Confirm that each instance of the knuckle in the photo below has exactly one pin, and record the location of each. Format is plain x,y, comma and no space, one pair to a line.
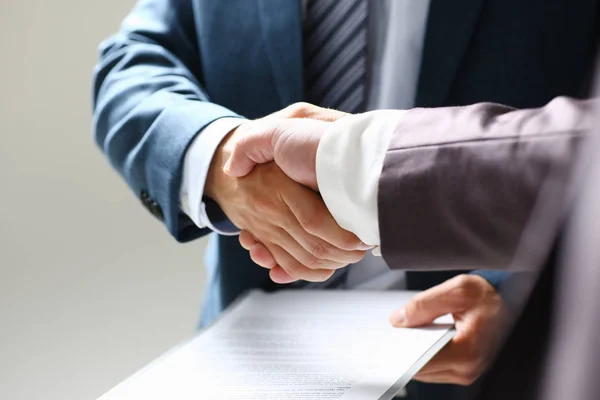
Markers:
415,306
320,251
299,109
461,280
298,270
313,262
311,221
466,288
291,269
293,274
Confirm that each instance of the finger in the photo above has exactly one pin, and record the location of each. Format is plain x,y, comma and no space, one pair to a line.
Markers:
278,275
254,145
448,366
287,242
313,216
447,376
262,256
258,252
453,296
307,110
450,375
295,269
247,240
319,248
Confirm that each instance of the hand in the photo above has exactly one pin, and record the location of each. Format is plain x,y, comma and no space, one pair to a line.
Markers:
289,137
478,313
299,239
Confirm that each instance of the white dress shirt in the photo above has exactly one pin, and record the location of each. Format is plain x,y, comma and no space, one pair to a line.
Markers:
195,170
349,188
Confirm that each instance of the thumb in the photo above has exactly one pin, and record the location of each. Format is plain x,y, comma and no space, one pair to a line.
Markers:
431,304
253,144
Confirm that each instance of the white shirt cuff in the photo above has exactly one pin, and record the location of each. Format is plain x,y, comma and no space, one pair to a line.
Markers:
195,170
349,162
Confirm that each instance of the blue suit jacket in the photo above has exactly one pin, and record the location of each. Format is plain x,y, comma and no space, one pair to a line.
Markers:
176,66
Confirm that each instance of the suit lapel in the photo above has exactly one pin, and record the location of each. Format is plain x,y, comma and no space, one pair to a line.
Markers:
281,26
450,26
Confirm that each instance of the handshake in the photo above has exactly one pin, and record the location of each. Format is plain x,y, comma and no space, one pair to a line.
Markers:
284,222
287,228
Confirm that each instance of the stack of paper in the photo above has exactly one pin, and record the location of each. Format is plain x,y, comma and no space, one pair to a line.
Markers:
294,345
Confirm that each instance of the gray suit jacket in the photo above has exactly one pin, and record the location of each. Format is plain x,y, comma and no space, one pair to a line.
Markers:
491,187
552,351
573,357
459,185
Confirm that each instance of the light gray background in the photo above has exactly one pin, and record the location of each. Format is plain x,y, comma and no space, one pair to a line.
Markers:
91,286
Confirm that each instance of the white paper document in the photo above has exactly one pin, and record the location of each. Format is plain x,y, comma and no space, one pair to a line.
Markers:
294,345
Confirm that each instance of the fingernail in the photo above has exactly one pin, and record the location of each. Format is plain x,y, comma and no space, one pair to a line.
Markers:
227,167
398,317
365,247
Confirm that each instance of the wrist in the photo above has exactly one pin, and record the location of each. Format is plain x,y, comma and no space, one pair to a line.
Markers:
216,179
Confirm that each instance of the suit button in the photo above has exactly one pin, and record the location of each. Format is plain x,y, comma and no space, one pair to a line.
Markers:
145,198
156,210
151,205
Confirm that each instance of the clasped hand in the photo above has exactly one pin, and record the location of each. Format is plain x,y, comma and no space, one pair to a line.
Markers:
285,225
287,228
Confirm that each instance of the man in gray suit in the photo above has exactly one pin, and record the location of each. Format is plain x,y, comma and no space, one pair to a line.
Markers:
506,177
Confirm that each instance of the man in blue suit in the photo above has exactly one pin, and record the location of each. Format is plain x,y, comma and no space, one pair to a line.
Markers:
181,76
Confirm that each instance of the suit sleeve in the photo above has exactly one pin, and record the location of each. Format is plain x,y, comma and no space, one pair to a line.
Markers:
150,103
460,185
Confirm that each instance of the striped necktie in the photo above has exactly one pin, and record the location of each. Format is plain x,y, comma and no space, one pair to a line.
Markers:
335,51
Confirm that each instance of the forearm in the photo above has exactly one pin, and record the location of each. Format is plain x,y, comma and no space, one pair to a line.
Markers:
149,105
459,185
